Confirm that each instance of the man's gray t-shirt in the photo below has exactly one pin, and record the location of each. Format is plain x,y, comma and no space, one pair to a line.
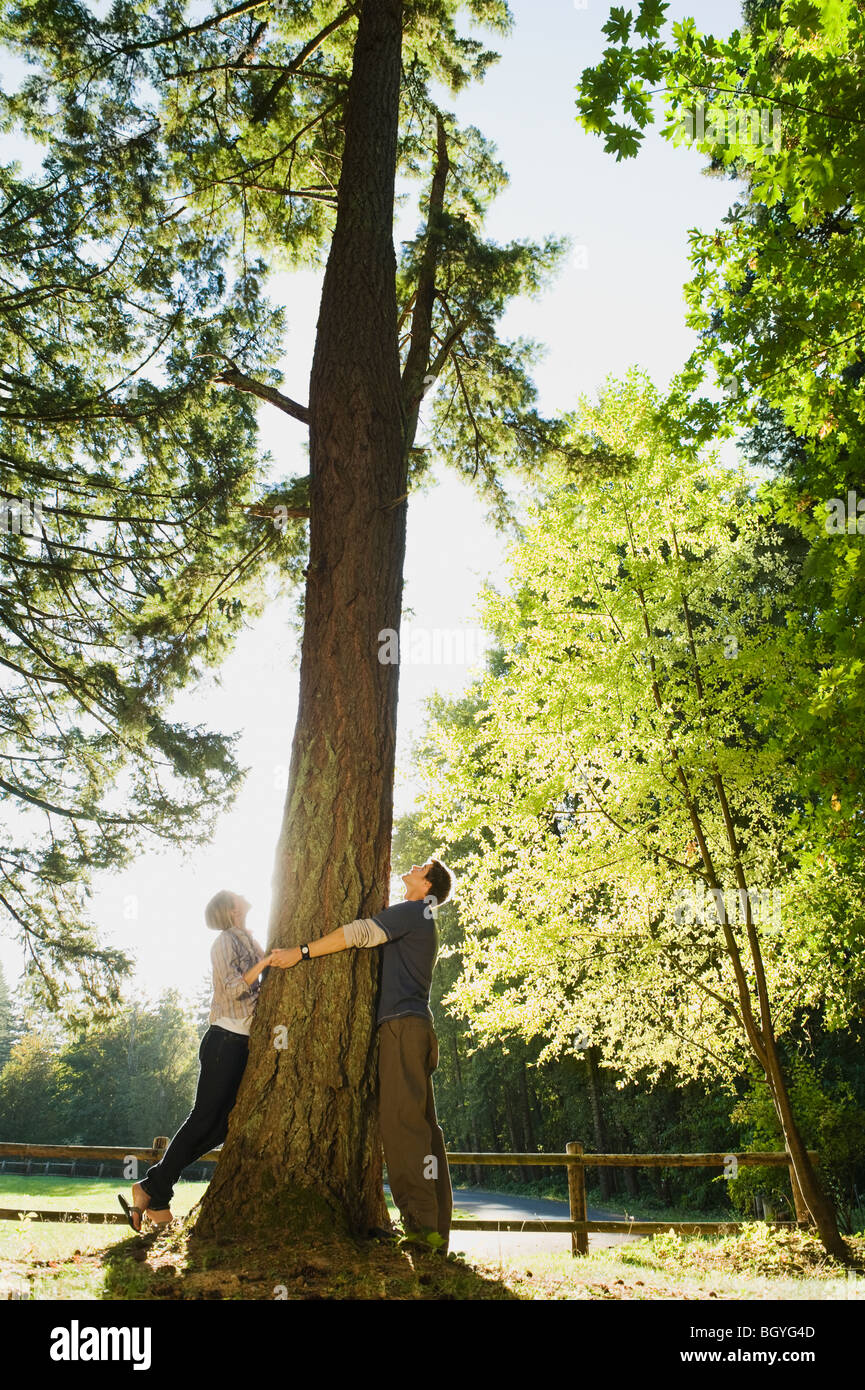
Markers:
407,959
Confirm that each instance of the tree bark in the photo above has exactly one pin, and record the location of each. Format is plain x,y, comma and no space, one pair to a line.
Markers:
526,1111
303,1152
632,1186
607,1175
515,1130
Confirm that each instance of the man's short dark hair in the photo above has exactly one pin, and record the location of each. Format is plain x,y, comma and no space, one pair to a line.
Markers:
441,882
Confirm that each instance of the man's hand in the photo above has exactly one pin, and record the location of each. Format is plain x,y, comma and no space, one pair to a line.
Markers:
284,957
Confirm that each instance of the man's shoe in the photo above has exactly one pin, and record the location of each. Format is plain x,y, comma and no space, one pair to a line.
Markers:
428,1241
384,1233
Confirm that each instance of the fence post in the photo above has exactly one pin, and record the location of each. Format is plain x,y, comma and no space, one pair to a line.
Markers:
802,1212
577,1201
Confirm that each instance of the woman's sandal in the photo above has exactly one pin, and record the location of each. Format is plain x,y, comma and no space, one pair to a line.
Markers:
128,1210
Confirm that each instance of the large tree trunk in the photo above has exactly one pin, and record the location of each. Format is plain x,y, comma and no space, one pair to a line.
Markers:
303,1149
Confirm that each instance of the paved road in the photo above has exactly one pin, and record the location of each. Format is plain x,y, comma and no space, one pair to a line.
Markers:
493,1206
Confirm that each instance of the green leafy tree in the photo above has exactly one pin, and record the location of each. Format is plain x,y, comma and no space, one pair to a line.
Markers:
31,1098
832,1122
129,1079
494,1094
644,874
7,1021
120,1081
776,299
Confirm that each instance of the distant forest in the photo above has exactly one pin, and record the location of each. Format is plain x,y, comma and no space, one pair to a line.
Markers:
127,1081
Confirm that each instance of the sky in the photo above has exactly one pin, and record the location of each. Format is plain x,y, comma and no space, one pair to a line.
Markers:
616,303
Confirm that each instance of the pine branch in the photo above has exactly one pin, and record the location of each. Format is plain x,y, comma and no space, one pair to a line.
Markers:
263,107
415,373
179,35
232,376
22,794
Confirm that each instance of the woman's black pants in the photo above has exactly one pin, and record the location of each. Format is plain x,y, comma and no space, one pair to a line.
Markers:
223,1058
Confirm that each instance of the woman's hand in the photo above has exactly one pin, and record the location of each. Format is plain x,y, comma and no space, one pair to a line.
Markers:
284,957
251,975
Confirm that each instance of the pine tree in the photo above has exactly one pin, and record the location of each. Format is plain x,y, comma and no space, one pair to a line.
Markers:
128,559
287,126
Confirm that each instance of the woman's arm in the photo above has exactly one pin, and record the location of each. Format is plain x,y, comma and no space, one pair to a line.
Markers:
233,983
251,975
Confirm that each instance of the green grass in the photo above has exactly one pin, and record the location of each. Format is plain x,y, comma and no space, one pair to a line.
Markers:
37,1193
65,1260
606,1275
77,1260
53,1260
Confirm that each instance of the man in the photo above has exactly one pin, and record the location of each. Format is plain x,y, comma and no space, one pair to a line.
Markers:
413,1143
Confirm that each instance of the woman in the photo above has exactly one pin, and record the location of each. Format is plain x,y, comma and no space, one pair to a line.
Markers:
238,961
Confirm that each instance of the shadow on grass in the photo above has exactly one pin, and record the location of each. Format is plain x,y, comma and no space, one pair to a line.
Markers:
176,1265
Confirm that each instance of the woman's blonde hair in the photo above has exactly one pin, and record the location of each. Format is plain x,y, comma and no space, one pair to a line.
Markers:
218,912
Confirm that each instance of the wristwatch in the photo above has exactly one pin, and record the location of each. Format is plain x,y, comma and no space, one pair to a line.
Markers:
304,951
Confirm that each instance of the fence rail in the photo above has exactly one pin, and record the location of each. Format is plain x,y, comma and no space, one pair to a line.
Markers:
585,1160
574,1160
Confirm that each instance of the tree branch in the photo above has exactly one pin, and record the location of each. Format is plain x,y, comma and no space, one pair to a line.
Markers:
415,374
177,35
263,107
756,1039
232,376
62,810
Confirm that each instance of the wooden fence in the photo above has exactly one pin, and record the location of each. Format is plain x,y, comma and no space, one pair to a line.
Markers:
574,1159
